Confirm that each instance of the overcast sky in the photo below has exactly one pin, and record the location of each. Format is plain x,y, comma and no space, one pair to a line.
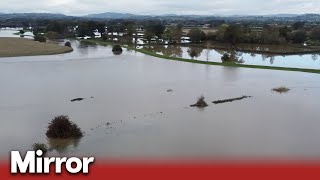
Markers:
201,7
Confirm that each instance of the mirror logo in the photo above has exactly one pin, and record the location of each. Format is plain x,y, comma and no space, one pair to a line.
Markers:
33,163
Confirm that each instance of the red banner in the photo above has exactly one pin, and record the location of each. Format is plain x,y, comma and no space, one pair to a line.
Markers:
186,171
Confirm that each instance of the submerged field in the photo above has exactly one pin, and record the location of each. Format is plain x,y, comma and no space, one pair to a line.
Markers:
11,46
299,63
135,105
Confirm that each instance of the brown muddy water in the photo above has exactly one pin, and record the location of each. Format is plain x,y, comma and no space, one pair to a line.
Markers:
129,112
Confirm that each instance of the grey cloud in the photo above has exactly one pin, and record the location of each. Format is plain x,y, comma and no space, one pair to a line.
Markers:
81,7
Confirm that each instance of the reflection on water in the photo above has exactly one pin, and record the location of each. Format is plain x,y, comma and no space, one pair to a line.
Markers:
208,54
315,57
63,145
86,44
11,33
168,50
117,53
194,52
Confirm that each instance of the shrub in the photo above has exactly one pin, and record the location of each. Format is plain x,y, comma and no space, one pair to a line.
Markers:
201,103
117,48
40,38
225,57
298,36
281,89
40,146
21,32
211,36
62,128
196,35
54,35
68,44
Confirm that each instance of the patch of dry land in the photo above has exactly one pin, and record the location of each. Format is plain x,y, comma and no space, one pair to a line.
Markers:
11,47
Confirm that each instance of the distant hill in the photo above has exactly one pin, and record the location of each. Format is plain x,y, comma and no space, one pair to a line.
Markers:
112,15
282,15
33,15
115,15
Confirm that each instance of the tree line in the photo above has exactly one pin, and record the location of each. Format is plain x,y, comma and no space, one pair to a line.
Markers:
154,31
234,34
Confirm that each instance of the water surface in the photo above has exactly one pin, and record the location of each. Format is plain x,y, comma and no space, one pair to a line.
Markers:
309,61
130,92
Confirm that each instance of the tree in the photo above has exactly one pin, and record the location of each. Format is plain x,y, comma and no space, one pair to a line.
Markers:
232,35
92,25
298,36
53,35
155,28
298,25
130,29
86,29
101,28
315,33
173,34
270,35
111,28
177,33
221,31
168,34
284,31
148,36
58,27
196,35
211,36
119,28
254,37
40,38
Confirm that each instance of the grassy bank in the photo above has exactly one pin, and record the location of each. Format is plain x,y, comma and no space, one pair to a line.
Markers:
12,47
206,62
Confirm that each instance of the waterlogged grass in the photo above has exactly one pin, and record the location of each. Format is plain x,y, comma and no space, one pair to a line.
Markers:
13,47
227,64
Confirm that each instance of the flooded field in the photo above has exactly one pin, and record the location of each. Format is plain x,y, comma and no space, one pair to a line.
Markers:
309,61
11,33
139,106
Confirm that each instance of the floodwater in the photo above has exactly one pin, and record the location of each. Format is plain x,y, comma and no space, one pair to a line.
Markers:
308,61
127,111
10,33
